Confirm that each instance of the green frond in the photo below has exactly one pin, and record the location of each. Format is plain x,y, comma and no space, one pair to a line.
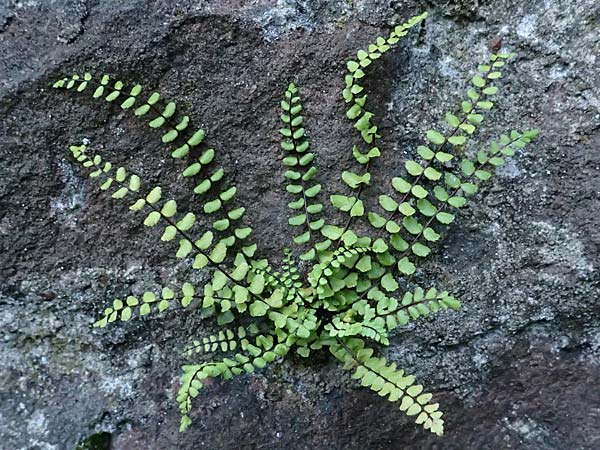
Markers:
225,341
435,185
176,132
205,251
305,208
264,349
413,305
388,381
148,303
354,95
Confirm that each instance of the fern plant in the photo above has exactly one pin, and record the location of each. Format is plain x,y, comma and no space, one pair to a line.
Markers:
339,290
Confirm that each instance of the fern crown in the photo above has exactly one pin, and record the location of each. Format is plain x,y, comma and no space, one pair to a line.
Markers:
357,288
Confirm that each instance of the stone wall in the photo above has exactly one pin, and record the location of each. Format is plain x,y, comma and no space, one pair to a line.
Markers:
516,368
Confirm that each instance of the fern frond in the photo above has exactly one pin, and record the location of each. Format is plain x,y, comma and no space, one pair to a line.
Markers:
178,135
147,304
353,94
202,250
161,117
412,306
388,381
422,219
407,214
264,349
225,341
300,171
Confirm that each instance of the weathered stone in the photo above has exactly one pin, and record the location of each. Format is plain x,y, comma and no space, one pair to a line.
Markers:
517,368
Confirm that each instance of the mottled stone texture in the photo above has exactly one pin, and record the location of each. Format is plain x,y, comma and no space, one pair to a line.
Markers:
517,368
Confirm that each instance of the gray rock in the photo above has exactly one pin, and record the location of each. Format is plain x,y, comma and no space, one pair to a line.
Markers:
516,368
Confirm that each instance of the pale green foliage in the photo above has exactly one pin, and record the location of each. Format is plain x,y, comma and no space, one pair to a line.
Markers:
358,288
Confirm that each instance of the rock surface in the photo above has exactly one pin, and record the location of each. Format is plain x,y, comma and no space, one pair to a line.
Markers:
517,368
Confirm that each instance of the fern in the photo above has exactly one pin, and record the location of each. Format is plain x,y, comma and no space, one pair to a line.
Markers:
352,293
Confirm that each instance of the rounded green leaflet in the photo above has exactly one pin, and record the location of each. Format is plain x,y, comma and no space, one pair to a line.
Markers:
389,283
425,152
413,168
128,103
183,123
435,137
354,111
406,209
467,167
426,207
196,138
212,206
430,234
388,203
185,247
379,246
314,208
221,225
297,220
163,305
157,122
401,185
112,96
228,194
376,220
392,227
352,66
186,222
126,314
98,92
169,233
120,193
243,233
432,174
445,218
478,81
419,191
138,205
457,202
142,110
313,191
180,152
457,140
420,249
258,308
412,225
154,195
170,136
483,175
218,253
169,208
152,219
342,202
469,188
153,99
202,187
169,110
135,90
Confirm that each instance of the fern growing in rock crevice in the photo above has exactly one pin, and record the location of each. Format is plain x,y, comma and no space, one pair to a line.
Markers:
359,288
